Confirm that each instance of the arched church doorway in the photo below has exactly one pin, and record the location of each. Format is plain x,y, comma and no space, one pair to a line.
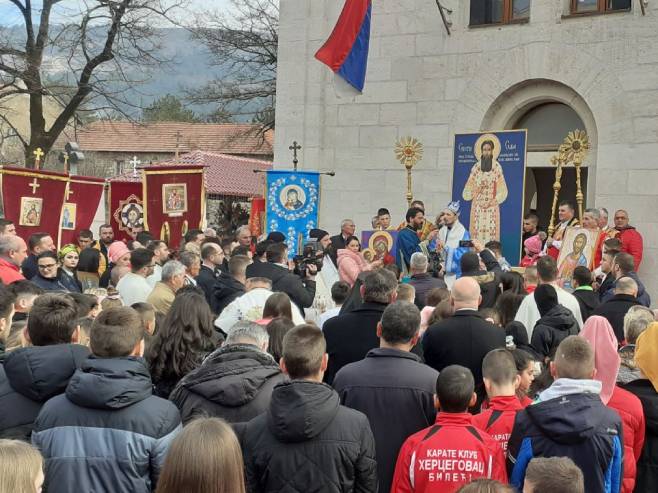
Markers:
549,110
547,125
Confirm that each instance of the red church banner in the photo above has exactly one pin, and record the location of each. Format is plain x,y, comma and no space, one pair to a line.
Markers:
256,216
33,200
174,201
82,199
126,210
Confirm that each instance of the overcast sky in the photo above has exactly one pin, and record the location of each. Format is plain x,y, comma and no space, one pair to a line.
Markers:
9,14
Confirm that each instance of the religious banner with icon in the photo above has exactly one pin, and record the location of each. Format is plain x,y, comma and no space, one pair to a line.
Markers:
489,179
174,200
82,200
125,206
33,199
577,249
379,245
292,204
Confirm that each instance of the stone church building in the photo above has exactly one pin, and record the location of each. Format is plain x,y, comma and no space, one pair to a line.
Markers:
550,66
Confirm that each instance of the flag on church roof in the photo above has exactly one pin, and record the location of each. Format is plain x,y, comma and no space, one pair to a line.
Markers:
346,50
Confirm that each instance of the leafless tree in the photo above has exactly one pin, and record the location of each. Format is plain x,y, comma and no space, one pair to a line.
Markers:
80,58
242,42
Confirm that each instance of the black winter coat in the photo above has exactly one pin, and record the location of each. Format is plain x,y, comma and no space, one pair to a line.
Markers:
226,289
614,310
396,392
306,442
588,301
206,281
489,280
423,284
647,465
463,339
350,336
301,291
234,383
108,432
31,376
551,329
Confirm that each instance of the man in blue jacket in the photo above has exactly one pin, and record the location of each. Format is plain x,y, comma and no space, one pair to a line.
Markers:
570,421
108,431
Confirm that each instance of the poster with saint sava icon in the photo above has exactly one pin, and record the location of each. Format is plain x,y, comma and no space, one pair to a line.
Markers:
489,180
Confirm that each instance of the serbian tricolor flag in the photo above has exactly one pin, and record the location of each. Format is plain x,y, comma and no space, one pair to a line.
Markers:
346,50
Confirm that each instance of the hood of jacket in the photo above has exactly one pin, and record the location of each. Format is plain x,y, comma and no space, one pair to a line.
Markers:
227,285
564,411
113,383
232,376
559,318
642,295
344,253
300,410
41,372
588,298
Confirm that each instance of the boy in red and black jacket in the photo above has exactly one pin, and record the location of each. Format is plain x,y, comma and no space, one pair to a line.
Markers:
501,379
453,452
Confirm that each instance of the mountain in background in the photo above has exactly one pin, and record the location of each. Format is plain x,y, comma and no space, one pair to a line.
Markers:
187,69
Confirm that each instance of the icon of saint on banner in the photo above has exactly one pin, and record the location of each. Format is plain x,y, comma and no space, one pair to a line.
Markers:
292,198
486,188
30,211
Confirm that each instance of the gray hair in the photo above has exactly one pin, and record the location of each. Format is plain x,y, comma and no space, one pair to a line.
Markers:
636,321
9,243
418,262
245,332
594,212
603,211
171,269
242,228
379,285
188,258
344,222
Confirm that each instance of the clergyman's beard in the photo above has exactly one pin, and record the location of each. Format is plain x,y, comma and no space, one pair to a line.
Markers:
486,163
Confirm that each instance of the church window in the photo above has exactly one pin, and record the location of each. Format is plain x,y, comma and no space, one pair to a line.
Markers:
599,6
486,12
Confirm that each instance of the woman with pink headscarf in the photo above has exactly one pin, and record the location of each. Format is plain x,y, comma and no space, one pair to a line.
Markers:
599,333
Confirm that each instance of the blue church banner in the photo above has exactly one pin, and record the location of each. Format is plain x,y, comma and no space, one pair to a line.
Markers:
489,180
293,200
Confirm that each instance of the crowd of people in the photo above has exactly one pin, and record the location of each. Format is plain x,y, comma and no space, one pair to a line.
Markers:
226,367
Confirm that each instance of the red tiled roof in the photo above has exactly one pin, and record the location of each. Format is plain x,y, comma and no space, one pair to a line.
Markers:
160,137
229,175
224,174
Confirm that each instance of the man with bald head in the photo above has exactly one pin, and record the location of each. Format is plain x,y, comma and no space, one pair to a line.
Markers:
615,308
631,240
13,251
466,337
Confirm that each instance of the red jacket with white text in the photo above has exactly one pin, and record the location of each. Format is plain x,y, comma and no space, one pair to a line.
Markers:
446,456
498,419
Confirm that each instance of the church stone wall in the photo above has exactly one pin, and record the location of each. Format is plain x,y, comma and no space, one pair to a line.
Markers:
424,83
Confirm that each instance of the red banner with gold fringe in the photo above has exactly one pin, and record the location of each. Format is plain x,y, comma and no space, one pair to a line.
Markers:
126,209
256,216
82,198
175,198
33,200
